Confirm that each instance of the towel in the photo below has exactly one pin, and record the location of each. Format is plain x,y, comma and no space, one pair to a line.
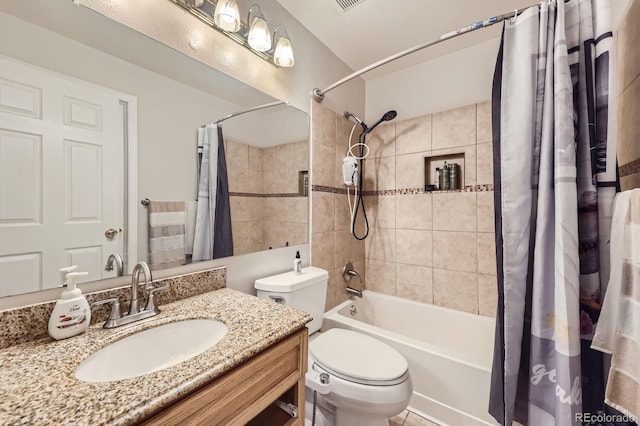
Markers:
166,234
618,329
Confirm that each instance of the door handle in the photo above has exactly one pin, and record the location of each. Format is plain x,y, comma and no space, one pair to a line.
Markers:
111,233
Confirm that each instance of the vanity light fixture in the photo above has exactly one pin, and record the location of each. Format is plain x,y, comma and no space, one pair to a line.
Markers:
224,16
227,15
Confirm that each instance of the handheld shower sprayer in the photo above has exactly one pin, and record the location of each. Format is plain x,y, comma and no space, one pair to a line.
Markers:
388,116
353,167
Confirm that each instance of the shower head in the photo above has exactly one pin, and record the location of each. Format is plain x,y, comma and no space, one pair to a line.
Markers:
348,115
388,116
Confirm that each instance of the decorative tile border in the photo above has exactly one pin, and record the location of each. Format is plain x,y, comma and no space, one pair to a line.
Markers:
27,323
330,189
255,195
403,191
630,168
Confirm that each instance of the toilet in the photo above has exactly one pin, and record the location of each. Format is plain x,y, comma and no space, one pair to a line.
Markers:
368,380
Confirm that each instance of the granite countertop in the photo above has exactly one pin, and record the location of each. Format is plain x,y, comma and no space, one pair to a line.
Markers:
38,386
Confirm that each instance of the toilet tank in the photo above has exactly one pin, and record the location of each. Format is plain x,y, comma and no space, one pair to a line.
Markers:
306,291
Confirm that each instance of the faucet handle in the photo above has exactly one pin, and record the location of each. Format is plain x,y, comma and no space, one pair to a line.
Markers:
115,313
151,300
348,272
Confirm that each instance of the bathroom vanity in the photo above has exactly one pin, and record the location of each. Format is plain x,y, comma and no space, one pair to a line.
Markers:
261,359
246,394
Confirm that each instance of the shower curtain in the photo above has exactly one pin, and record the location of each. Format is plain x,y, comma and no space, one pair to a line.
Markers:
213,237
555,179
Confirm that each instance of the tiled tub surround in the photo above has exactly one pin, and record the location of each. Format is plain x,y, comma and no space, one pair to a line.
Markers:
430,247
267,209
332,245
37,383
433,247
29,323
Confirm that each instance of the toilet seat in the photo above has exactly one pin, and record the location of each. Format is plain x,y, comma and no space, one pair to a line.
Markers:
358,358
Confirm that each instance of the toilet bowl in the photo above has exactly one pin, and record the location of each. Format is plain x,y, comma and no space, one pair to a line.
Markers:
368,381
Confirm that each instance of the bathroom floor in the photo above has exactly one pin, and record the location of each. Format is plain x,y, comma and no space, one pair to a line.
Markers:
408,418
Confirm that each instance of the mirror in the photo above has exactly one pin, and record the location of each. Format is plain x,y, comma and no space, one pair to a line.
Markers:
151,104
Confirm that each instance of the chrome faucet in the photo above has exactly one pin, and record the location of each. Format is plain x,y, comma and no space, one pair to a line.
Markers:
115,257
347,274
135,277
354,292
135,314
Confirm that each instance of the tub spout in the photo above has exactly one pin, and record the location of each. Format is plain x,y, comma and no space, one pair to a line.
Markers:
354,292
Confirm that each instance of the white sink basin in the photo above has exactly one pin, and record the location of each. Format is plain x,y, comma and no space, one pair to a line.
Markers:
151,350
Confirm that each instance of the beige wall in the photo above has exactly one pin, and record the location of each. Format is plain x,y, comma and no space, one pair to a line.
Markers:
275,214
628,38
432,247
429,247
332,245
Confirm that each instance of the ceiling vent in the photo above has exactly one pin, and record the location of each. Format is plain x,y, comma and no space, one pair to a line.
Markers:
348,4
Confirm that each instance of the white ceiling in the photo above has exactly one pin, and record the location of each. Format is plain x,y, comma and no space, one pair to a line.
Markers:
375,29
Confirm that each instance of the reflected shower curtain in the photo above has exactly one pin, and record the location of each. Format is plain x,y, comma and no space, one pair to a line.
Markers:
555,178
213,237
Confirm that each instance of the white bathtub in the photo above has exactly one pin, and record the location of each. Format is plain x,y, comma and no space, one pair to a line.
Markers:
449,353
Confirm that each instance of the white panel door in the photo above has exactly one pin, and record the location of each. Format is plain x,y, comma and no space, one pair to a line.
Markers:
61,177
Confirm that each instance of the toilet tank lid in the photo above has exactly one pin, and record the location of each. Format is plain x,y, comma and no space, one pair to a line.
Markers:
288,281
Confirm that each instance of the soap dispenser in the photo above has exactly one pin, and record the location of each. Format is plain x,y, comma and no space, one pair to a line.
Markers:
71,315
297,264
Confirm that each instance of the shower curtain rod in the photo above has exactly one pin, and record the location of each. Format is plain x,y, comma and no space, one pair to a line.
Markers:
256,108
318,94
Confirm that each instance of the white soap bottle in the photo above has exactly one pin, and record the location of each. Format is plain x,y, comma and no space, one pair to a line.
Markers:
297,264
71,315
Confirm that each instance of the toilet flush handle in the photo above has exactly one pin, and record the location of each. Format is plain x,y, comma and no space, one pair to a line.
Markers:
277,299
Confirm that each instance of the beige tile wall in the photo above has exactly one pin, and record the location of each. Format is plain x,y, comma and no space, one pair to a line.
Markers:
628,37
262,222
331,242
432,247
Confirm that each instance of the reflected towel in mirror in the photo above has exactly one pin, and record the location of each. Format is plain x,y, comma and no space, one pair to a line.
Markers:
166,234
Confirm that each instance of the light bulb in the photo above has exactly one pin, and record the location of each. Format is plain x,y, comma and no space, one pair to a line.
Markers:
259,35
283,55
227,15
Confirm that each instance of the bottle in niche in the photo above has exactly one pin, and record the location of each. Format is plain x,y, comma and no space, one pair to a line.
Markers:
446,179
436,178
453,176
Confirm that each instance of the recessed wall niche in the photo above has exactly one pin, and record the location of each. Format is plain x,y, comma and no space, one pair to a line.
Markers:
432,163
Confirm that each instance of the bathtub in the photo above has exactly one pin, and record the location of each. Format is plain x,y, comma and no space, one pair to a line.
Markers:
449,352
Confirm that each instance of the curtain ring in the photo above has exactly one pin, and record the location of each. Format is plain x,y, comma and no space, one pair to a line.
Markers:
515,16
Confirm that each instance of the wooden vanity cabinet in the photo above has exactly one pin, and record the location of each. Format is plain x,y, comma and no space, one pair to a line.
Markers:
246,393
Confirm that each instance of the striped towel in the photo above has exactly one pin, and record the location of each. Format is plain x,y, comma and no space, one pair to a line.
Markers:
618,329
166,234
